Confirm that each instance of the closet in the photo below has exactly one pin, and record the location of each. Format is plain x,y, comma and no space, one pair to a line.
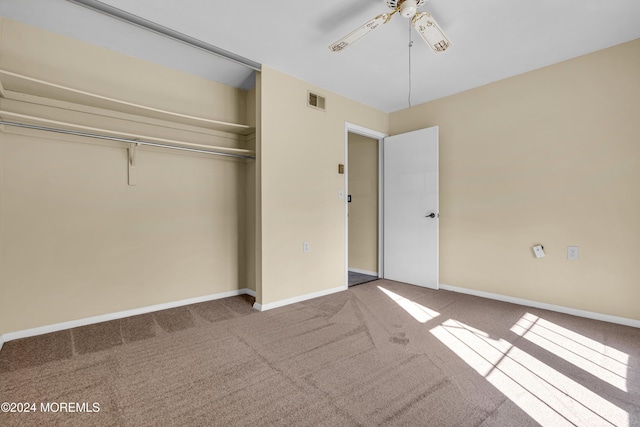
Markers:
123,184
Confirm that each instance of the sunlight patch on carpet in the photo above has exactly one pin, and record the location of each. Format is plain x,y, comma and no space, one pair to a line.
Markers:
606,363
546,395
419,312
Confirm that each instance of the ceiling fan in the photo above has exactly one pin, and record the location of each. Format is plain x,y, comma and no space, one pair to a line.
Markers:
423,22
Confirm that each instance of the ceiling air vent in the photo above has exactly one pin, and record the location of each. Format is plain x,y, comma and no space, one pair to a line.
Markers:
316,101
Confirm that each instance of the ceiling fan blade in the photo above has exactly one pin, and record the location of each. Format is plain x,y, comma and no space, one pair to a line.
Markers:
365,29
430,31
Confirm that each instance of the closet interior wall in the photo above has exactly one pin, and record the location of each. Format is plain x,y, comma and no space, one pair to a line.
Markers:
76,240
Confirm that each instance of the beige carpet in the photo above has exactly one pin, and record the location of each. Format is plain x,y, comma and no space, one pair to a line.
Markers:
381,353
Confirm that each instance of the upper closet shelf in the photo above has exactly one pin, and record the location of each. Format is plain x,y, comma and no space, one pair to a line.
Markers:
32,86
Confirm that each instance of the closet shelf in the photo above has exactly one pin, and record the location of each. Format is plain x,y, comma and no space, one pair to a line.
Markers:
24,84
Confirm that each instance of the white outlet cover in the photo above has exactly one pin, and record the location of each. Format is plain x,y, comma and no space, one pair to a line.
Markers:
573,253
538,251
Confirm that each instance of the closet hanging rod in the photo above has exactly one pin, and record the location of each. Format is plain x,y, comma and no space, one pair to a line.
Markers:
114,138
126,135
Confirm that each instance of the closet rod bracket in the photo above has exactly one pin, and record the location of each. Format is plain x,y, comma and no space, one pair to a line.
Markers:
133,151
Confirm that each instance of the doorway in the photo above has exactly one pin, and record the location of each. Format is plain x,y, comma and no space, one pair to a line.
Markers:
363,205
408,217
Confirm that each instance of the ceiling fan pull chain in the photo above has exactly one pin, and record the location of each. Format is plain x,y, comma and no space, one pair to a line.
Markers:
410,46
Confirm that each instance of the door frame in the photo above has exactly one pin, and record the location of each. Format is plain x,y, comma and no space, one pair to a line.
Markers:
379,136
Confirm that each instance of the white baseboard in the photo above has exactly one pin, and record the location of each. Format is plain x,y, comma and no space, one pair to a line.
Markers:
367,272
263,307
119,315
1,341
282,303
545,306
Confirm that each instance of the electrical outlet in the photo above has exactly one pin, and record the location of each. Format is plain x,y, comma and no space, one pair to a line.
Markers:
573,253
340,194
306,247
538,250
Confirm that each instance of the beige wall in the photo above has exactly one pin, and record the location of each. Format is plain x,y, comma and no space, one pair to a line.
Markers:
300,151
75,239
550,157
363,209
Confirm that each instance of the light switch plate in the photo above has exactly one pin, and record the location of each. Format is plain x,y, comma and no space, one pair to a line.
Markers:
538,250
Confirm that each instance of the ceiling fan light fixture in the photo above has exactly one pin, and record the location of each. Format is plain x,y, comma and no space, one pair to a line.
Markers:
430,31
408,8
395,4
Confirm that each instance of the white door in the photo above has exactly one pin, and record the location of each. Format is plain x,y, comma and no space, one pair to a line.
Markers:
411,207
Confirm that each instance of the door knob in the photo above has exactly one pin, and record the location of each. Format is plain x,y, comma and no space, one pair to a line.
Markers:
431,215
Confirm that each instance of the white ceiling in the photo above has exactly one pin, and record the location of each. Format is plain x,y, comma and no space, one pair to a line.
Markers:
492,39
